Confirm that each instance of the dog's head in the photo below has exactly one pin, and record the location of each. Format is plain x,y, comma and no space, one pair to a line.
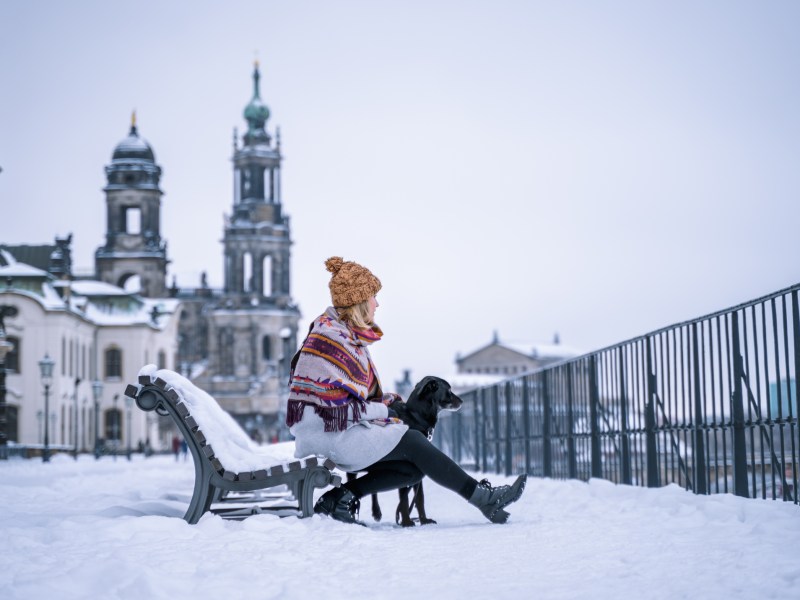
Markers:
432,394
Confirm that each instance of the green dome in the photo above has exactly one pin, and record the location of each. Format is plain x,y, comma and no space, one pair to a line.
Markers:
256,112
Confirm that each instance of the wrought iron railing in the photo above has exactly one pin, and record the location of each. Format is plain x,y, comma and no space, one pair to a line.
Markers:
709,404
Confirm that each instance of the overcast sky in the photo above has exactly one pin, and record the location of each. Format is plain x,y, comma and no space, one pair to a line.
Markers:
596,169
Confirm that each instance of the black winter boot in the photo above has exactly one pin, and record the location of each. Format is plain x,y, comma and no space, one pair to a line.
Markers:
340,504
491,501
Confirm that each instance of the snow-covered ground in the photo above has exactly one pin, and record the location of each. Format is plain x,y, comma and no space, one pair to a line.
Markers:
113,529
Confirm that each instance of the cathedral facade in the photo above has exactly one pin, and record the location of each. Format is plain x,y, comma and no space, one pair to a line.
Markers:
235,342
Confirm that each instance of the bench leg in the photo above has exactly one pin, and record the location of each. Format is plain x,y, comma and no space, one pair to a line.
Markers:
201,499
316,477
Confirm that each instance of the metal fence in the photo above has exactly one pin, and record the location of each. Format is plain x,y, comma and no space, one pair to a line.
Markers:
709,404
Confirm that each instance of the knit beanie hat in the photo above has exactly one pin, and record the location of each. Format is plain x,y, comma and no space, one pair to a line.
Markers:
350,283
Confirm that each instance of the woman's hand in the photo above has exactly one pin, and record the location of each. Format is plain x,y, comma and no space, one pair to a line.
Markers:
390,397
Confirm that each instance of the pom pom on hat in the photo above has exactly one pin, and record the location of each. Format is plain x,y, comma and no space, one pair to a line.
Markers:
350,282
334,263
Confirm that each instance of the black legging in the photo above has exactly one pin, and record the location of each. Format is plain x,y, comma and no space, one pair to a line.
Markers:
413,458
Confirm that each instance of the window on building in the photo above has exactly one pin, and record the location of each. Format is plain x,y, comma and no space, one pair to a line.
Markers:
247,266
266,350
266,271
226,352
133,220
162,359
113,362
12,423
12,358
112,424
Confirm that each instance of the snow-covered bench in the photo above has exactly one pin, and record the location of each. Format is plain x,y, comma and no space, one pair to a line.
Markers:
230,469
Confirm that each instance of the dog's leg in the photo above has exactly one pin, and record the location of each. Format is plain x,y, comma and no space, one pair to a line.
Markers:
419,500
376,508
403,514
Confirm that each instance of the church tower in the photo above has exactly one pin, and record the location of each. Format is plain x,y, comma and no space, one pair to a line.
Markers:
134,249
257,235
252,327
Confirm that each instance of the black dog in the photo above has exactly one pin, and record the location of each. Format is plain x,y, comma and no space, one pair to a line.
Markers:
420,412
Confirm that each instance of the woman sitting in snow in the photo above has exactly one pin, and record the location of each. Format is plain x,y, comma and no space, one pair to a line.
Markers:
337,409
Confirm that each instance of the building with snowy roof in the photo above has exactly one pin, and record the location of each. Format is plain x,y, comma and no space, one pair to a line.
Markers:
235,342
94,332
499,360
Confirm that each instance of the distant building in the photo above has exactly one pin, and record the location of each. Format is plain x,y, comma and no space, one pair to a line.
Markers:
94,332
134,255
235,342
500,360
250,326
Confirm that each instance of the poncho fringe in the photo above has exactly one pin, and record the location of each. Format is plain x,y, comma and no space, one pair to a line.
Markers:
335,417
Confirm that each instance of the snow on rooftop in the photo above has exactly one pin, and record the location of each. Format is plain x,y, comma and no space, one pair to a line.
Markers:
18,269
463,381
97,288
538,350
8,257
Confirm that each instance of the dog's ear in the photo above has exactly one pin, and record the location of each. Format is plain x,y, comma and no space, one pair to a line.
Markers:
431,386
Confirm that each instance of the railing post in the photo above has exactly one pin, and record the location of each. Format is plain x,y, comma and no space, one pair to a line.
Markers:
796,342
496,419
653,476
456,433
526,415
699,453
572,459
509,422
737,412
547,453
594,412
623,417
477,419
484,423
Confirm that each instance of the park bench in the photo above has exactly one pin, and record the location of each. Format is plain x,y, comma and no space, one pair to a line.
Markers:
232,473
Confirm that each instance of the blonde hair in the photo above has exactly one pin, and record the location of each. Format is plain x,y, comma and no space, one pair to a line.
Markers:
356,315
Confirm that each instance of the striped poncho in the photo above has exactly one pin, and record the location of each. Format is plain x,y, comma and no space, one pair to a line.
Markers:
333,372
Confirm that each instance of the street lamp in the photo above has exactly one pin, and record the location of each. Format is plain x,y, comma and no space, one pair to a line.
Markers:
84,428
46,369
6,310
5,348
116,431
75,396
97,391
128,404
